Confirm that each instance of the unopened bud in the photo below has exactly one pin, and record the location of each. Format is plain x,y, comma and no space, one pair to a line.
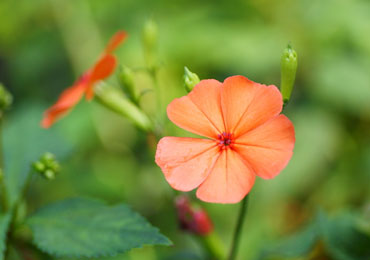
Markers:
192,218
150,39
126,78
190,79
6,99
47,166
289,61
114,100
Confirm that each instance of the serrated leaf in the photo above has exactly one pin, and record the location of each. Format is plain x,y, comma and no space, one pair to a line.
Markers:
4,226
90,228
24,142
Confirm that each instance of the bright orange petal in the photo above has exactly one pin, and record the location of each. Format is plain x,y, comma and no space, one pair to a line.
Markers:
269,147
115,41
102,69
67,100
200,111
247,104
229,181
186,162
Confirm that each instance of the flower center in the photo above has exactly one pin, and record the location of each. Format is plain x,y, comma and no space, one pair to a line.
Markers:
225,140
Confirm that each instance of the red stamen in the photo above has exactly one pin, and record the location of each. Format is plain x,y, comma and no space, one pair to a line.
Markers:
225,140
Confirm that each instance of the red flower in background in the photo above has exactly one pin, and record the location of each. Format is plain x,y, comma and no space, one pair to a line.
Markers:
246,134
102,69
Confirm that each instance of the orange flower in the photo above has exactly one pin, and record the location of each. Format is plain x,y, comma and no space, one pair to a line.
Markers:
102,69
247,137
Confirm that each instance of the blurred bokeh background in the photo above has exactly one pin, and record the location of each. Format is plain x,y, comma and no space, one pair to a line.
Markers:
46,44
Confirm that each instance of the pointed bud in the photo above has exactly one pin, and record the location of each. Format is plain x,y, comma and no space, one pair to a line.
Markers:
192,218
114,100
126,78
47,166
190,79
150,39
6,99
289,61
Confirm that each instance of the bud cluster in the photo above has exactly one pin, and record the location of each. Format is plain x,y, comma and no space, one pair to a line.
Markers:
47,166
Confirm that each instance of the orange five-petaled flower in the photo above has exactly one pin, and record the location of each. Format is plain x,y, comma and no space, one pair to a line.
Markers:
246,134
102,69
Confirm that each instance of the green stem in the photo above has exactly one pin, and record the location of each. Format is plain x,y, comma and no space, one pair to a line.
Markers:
213,245
154,76
4,197
238,228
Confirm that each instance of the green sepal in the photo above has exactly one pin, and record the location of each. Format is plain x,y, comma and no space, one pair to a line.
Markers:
114,100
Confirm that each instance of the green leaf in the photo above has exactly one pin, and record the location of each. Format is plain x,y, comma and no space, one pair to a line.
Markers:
4,226
343,240
24,141
297,245
339,236
90,228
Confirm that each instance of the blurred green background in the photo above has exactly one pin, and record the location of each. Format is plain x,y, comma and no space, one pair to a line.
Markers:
46,45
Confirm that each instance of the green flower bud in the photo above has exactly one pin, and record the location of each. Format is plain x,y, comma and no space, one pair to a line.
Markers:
190,79
289,61
6,99
126,78
47,166
114,100
150,39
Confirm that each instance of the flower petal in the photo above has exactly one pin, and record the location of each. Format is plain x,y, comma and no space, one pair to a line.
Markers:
229,181
200,111
102,69
186,162
246,104
67,100
115,41
269,147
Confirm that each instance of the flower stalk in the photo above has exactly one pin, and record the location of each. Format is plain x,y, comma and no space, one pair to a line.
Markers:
5,102
213,245
238,228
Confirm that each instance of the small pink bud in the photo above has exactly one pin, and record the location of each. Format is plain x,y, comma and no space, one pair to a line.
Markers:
202,222
192,219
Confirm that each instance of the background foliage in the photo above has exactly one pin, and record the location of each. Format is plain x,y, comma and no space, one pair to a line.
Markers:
45,45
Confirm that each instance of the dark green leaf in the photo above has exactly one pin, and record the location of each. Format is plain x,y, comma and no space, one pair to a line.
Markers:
90,228
343,240
24,142
4,226
298,245
339,236
184,255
